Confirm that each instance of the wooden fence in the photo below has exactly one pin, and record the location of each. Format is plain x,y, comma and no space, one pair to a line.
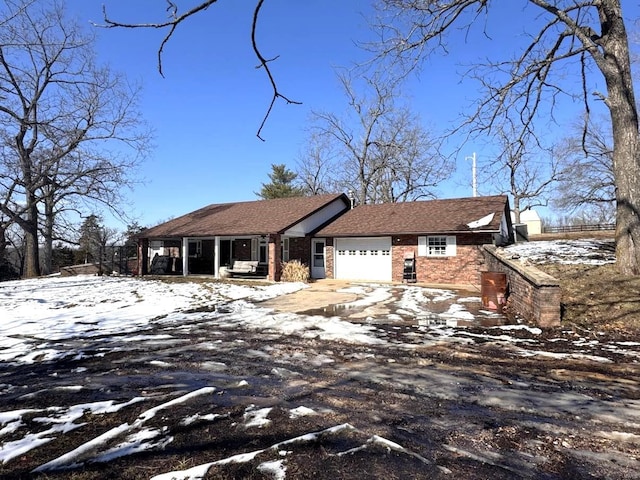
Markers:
580,228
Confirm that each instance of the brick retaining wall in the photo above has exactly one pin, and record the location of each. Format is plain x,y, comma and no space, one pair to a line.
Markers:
533,294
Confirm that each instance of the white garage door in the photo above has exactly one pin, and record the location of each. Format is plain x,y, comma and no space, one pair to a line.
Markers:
363,258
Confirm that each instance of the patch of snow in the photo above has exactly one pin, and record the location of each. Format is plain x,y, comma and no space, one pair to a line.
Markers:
584,251
301,412
481,222
73,458
533,330
558,355
257,418
199,471
275,469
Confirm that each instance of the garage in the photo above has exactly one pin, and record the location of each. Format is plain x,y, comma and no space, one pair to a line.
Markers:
363,258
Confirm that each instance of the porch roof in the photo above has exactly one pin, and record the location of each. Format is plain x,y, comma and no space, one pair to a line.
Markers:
473,214
259,217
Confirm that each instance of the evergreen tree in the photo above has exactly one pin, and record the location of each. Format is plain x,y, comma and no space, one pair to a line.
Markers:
281,185
62,256
91,239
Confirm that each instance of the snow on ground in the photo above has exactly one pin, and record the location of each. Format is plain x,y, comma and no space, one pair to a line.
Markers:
587,251
40,317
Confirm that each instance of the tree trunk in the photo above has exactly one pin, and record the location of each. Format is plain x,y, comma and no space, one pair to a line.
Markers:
3,248
625,161
32,252
516,209
47,240
626,139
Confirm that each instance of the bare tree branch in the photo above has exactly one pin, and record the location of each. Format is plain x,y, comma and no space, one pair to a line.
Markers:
176,19
582,36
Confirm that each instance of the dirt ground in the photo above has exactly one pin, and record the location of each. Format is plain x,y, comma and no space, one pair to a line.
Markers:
561,404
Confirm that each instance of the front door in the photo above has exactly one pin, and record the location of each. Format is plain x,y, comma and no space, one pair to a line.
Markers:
317,258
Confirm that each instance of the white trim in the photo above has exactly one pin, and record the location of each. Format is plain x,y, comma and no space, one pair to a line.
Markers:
284,249
254,248
320,271
450,246
216,257
185,256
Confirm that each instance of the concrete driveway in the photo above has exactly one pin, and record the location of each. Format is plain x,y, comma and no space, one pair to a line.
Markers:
320,294
357,301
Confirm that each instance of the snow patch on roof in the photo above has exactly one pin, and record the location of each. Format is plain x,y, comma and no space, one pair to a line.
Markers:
482,222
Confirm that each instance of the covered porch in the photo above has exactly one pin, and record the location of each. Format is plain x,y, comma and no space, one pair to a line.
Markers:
215,256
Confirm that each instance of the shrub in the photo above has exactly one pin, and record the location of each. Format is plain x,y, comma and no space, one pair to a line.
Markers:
295,271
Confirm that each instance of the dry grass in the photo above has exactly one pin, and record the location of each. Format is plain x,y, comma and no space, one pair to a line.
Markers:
295,271
598,297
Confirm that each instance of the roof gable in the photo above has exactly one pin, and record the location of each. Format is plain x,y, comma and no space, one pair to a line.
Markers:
257,217
471,214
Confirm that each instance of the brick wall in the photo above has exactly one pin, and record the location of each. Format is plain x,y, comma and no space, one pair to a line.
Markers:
242,249
532,294
463,268
300,249
329,254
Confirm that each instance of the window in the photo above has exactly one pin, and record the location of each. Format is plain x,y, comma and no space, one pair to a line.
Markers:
259,249
318,253
437,246
195,248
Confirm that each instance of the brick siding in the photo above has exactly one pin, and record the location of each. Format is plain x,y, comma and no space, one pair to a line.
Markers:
300,249
463,268
329,256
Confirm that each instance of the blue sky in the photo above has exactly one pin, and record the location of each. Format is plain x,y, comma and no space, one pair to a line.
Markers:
207,108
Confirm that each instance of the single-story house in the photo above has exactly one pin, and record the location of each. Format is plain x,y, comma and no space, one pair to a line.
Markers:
441,239
213,238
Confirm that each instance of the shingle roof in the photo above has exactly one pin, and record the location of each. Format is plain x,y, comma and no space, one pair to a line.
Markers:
419,217
243,218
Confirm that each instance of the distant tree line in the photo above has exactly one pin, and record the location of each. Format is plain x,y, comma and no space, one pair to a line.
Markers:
71,135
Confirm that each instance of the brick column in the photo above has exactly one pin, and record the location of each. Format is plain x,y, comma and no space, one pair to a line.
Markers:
275,260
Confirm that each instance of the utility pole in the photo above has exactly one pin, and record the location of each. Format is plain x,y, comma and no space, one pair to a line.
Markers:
473,173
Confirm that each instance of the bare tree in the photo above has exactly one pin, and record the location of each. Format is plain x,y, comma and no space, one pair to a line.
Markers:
589,36
314,166
59,117
523,168
587,185
378,149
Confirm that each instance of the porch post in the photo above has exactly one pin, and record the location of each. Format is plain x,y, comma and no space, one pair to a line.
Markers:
275,258
185,256
143,256
216,257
